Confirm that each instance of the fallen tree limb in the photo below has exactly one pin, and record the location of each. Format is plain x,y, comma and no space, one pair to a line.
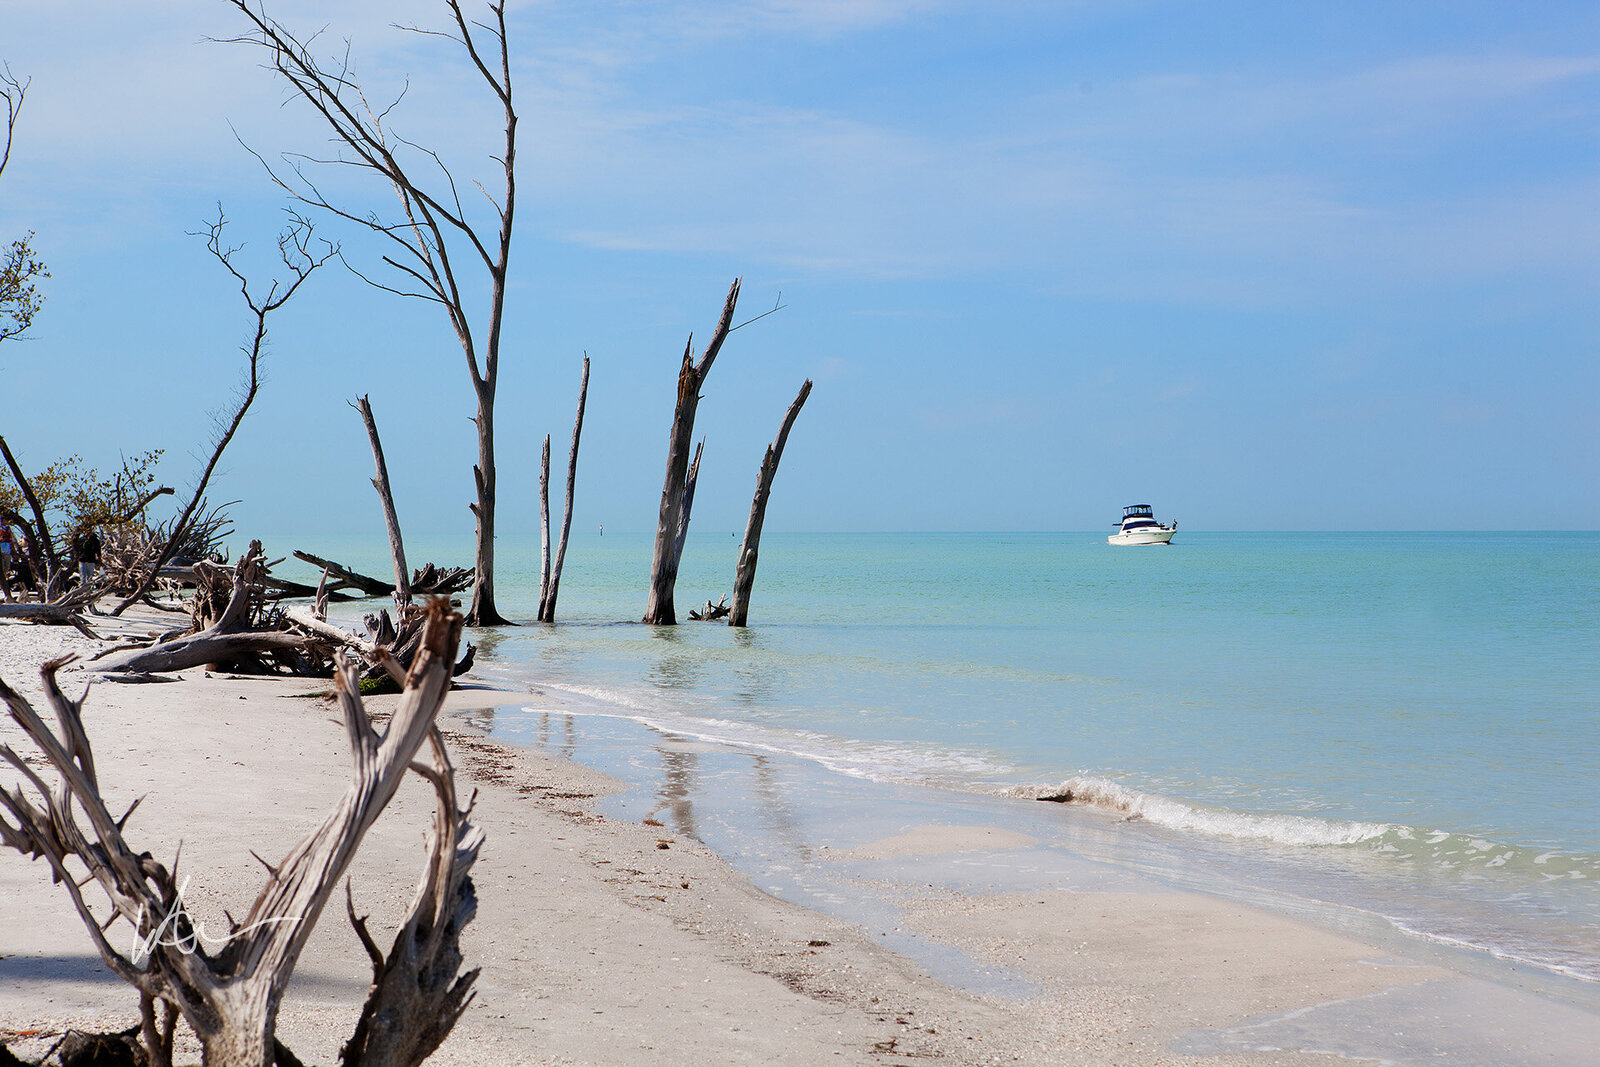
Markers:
711,611
426,580
367,584
49,614
231,634
207,648
303,618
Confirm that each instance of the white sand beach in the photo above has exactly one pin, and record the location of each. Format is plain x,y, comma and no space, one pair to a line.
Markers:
617,943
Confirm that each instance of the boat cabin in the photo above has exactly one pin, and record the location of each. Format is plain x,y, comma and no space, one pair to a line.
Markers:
1135,516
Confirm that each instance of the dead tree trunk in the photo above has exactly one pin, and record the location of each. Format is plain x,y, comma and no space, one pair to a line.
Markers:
552,585
230,996
49,575
745,577
544,525
691,376
418,992
432,235
397,549
689,482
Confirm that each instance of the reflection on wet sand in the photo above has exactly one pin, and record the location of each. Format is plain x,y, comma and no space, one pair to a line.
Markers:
569,734
679,768
780,814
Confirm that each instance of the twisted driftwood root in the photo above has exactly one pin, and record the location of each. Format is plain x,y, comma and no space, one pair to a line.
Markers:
230,996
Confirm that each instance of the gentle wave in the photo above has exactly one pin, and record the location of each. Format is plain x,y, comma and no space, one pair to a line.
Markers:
1512,875
1217,822
1440,850
904,763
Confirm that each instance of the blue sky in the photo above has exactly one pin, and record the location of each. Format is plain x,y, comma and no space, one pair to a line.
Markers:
1266,266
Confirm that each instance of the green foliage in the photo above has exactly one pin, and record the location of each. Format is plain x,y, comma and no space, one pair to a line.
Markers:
381,684
72,494
20,272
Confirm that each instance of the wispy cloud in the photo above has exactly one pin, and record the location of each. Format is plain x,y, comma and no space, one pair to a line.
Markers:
1219,186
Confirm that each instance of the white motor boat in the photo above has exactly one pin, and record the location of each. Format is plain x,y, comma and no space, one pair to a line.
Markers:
1139,527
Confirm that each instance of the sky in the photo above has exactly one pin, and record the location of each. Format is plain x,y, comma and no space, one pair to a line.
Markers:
1265,266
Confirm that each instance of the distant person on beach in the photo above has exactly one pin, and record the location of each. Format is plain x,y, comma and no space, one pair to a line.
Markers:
86,546
26,582
8,552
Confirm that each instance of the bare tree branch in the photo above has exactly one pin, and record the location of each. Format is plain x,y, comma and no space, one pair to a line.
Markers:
432,215
294,248
13,91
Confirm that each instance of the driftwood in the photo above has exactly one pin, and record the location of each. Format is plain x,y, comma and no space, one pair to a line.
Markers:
550,573
49,614
368,650
711,612
436,582
391,521
668,544
368,585
428,579
283,587
237,625
745,576
228,614
395,645
229,995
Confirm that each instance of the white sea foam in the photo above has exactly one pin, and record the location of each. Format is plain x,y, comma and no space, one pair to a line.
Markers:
1217,822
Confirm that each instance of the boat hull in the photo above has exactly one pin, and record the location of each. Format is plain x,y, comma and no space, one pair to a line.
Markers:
1161,535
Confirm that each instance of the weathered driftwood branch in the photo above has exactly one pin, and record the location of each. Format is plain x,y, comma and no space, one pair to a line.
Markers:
58,614
368,650
396,645
367,584
285,588
230,996
550,582
711,612
391,521
744,579
418,991
428,579
666,555
227,635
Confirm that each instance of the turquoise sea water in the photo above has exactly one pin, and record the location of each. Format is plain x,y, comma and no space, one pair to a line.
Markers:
1404,726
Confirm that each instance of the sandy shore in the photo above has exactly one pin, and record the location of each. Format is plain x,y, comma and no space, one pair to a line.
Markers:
610,942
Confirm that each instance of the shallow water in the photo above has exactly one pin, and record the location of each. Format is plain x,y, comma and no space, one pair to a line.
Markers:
1404,728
